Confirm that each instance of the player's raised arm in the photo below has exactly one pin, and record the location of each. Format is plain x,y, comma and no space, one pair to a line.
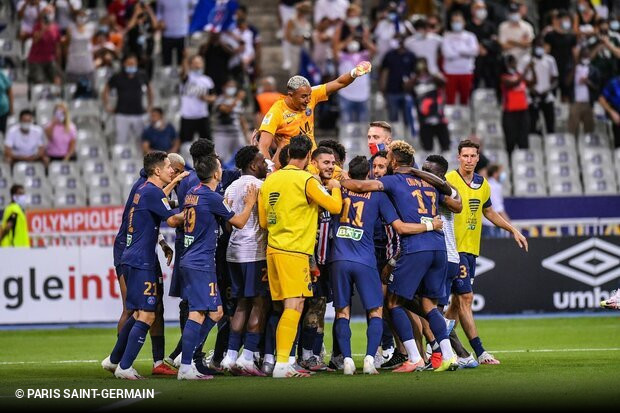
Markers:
346,79
359,186
499,221
441,185
239,220
264,143
318,194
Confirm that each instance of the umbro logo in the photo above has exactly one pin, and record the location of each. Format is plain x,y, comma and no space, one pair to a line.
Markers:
593,262
483,265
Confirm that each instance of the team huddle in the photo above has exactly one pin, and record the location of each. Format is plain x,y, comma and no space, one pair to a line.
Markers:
261,250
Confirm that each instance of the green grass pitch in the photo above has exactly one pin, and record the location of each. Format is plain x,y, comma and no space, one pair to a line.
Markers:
546,363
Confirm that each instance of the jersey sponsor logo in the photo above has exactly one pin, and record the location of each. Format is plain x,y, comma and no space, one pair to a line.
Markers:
271,215
425,220
129,239
267,119
188,240
166,203
350,233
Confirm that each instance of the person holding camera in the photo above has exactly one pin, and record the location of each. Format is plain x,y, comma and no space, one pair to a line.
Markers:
14,228
604,48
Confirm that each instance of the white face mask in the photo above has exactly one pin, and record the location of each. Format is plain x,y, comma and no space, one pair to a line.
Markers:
566,25
481,14
20,200
354,21
353,46
59,115
230,91
502,177
514,17
198,72
159,124
614,25
25,126
457,26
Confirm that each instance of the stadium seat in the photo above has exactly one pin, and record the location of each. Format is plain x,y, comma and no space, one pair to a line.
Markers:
85,111
5,198
354,145
104,196
69,198
527,171
459,128
603,186
498,156
38,199
5,183
67,182
561,115
535,142
172,105
95,167
530,188
561,155
10,48
494,142
21,170
91,150
37,183
5,169
560,141
455,113
60,168
489,128
563,171
45,92
127,167
596,156
100,181
122,151
44,110
125,190
594,140
127,179
530,156
484,97
84,134
562,186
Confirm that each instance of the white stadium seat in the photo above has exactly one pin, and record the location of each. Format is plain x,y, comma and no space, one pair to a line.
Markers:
560,141
530,188
530,156
67,182
95,166
21,170
122,151
561,186
38,199
127,167
60,168
104,196
5,198
5,183
69,198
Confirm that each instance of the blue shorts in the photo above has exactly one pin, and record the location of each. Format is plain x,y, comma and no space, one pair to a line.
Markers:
175,279
451,274
248,279
424,269
143,288
366,279
462,284
200,289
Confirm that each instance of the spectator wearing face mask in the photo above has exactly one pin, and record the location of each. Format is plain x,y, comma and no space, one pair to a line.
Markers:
515,115
25,141
515,35
140,36
604,50
160,135
65,12
14,228
459,49
425,44
496,176
45,51
230,130
585,80
352,34
541,92
562,46
196,95
80,58
61,134
28,14
584,19
487,62
129,110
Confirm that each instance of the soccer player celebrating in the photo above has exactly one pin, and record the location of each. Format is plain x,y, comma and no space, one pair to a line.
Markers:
202,209
476,194
294,114
288,209
423,256
247,263
149,207
379,136
352,261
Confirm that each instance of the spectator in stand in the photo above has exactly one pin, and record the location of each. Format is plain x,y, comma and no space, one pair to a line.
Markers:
160,135
196,95
6,100
173,20
80,57
28,14
66,11
542,98
25,141
489,60
104,51
230,130
334,10
61,134
322,50
352,29
434,24
562,45
266,95
353,100
287,11
604,50
458,6
428,90
216,54
129,111
139,36
459,49
584,19
298,33
515,116
515,35
585,79
250,37
496,176
389,28
610,101
121,10
45,51
396,69
114,32
425,44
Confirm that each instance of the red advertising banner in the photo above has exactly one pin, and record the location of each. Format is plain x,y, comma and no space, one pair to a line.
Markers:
74,220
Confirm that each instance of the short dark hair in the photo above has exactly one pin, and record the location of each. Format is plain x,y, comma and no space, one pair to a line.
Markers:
380,154
337,147
468,144
129,56
245,156
439,161
15,188
562,13
283,157
492,169
25,112
420,24
152,160
299,147
158,110
321,150
201,148
243,8
206,167
359,167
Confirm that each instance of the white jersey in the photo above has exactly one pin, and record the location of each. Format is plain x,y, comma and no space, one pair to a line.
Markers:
447,217
250,243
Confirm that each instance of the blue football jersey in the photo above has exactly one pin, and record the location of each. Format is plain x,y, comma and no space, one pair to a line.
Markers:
416,202
202,211
354,227
121,237
185,185
148,208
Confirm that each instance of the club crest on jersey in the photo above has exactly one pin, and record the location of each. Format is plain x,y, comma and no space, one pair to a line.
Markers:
151,300
166,203
188,240
308,111
350,233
